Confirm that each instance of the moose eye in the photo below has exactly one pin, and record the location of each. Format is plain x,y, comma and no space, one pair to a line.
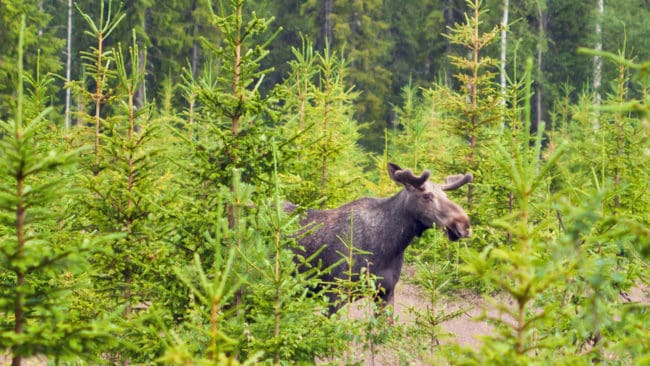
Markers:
427,196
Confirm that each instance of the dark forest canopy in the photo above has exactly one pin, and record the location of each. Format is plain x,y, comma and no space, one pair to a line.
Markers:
387,44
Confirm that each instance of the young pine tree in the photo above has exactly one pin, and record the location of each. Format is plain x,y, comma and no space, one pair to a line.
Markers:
529,268
124,188
236,116
126,196
318,118
477,104
43,261
266,323
98,65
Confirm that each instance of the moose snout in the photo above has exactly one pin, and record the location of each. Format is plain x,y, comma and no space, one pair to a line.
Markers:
456,223
457,230
458,227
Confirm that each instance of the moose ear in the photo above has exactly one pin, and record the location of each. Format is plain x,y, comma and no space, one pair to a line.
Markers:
456,181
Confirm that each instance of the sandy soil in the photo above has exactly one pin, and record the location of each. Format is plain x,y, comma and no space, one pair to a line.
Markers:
5,359
462,329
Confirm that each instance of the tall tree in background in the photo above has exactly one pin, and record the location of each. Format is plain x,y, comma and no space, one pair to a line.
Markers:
598,63
453,11
359,29
327,134
326,34
68,66
504,50
42,259
418,47
541,47
560,33
40,43
625,30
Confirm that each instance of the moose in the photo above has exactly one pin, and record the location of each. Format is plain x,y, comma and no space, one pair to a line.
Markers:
380,230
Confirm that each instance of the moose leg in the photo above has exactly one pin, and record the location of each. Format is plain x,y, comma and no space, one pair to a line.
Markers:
334,303
386,293
386,298
390,299
388,281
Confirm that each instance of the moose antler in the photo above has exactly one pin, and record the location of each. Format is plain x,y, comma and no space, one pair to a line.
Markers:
456,181
406,176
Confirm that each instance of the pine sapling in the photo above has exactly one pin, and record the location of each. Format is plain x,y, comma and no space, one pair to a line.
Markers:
478,102
98,64
41,257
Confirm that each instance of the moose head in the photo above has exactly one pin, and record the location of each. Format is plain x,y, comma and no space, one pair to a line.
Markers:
428,203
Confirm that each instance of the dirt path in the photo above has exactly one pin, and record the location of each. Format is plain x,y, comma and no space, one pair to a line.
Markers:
464,329
409,300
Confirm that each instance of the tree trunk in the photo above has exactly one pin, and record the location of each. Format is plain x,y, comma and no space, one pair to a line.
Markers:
195,66
195,57
41,13
448,15
540,47
474,117
233,209
98,96
598,63
141,92
327,24
504,26
19,307
68,66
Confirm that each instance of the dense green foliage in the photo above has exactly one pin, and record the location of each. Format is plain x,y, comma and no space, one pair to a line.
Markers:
151,230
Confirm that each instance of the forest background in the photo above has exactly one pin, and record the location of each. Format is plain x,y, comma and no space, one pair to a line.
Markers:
146,147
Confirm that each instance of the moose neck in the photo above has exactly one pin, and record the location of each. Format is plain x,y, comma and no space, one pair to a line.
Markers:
404,225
